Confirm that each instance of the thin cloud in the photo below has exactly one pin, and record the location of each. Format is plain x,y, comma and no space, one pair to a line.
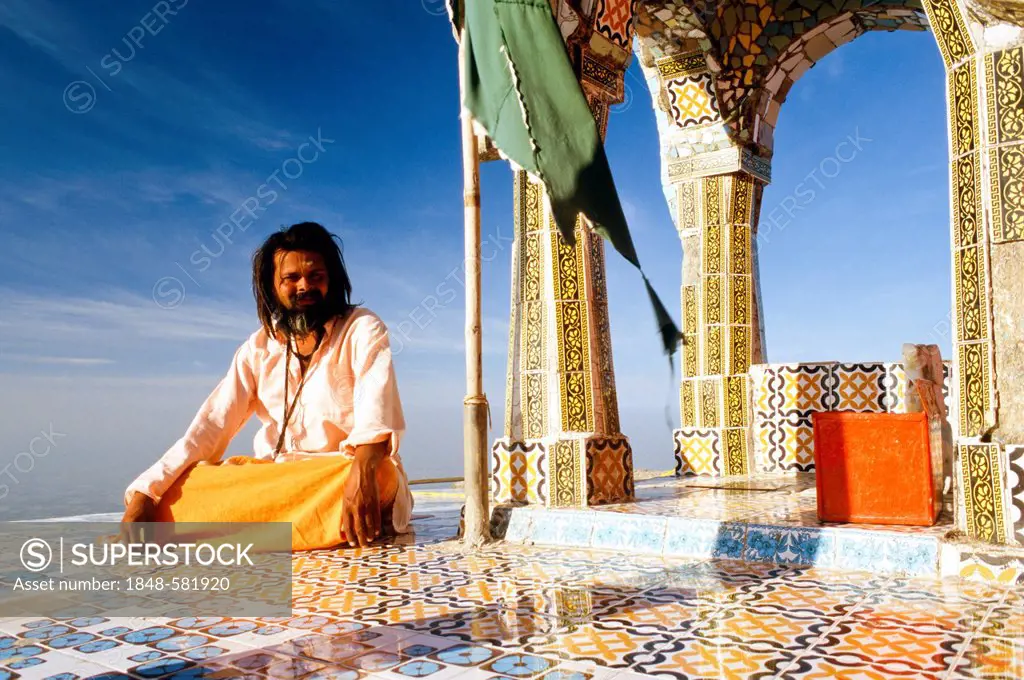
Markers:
67,361
202,101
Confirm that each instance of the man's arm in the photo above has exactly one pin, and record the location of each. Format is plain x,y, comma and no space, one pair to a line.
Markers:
219,419
378,424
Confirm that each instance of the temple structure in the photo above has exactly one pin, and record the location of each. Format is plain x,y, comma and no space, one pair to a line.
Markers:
719,73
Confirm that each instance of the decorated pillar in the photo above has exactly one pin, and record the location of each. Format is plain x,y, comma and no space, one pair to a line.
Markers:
713,185
984,61
722,336
562,446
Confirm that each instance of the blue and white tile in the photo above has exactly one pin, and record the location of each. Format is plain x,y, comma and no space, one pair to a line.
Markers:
520,525
520,665
381,637
421,668
375,661
16,625
564,527
695,538
12,648
161,667
335,673
121,657
466,655
636,534
268,635
330,649
55,663
781,545
904,555
249,661
730,541
292,668
214,650
421,644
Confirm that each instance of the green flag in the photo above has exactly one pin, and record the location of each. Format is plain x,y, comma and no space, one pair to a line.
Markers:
521,87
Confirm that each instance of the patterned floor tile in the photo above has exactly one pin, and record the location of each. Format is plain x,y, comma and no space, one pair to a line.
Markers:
421,668
990,657
763,628
689,658
466,655
927,616
333,649
891,650
1005,620
614,648
335,673
289,669
849,667
430,609
493,626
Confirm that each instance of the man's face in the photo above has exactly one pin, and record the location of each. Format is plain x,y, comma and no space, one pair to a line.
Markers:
300,281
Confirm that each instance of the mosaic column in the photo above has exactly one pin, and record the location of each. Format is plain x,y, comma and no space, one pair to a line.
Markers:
716,218
562,446
713,186
985,91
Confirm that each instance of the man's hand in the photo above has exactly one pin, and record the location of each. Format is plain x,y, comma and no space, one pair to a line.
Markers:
360,509
141,508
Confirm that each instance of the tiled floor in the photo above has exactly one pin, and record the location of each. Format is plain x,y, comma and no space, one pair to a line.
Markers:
422,607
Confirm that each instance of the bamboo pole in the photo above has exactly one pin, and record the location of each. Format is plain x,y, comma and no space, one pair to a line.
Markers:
477,518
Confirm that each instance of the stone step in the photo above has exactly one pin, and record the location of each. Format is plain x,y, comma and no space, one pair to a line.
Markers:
876,551
766,521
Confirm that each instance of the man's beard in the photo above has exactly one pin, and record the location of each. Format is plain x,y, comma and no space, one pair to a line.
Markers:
299,321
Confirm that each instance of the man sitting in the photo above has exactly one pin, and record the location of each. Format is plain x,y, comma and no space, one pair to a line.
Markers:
319,376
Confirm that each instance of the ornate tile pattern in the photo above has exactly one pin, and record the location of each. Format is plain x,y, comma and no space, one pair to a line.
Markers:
688,402
1005,164
529,218
429,609
950,29
609,470
566,474
711,401
614,20
735,450
690,331
784,397
1015,489
698,452
975,387
806,387
560,343
519,472
859,387
1004,80
980,469
609,397
1004,569
795,442
572,333
692,100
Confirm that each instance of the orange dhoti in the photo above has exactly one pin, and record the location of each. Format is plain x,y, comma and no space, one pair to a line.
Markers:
308,493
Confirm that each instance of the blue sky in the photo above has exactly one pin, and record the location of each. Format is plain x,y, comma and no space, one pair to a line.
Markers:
120,165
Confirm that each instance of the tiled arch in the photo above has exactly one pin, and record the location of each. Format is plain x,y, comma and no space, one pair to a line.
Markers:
717,95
